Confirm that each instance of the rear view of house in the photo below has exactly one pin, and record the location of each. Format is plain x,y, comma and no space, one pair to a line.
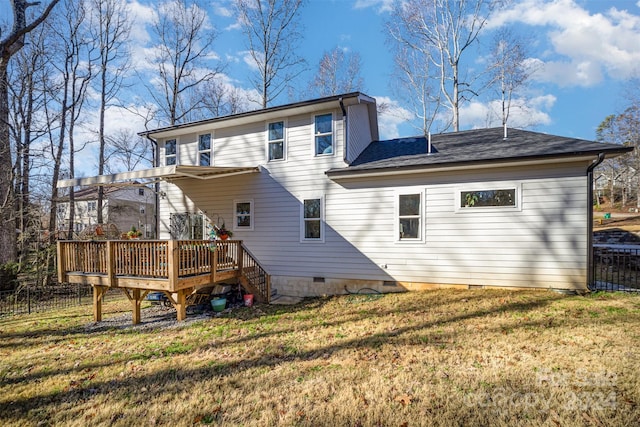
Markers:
326,207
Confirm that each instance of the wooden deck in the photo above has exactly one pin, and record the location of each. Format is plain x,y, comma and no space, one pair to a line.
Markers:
176,267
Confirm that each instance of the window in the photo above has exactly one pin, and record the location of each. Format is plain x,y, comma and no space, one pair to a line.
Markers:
486,198
142,209
410,217
204,150
170,152
323,134
275,141
186,226
140,191
243,212
312,227
92,206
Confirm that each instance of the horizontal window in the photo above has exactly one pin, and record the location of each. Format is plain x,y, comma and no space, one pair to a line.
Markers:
488,198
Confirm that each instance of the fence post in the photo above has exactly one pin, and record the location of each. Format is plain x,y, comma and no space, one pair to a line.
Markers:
28,300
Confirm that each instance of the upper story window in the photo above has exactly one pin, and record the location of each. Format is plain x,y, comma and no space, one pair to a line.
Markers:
410,217
204,150
92,206
323,134
170,152
142,210
275,141
140,191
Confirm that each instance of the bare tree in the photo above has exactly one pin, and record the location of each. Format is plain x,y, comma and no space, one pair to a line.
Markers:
508,69
110,29
184,60
73,62
9,46
221,99
128,151
273,34
443,31
28,74
338,72
412,83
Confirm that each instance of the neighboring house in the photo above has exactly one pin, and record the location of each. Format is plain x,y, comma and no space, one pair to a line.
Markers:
325,207
122,206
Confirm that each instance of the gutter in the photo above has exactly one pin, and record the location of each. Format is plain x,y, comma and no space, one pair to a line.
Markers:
345,129
156,190
592,166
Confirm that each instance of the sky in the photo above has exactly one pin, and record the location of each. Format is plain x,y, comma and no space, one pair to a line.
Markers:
585,50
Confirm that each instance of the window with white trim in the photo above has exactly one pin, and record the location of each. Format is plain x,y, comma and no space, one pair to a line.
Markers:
204,149
92,206
170,152
409,223
496,197
312,220
276,141
323,134
243,212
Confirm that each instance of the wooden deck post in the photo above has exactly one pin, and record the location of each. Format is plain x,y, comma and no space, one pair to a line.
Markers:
173,261
62,255
111,263
181,305
135,302
98,293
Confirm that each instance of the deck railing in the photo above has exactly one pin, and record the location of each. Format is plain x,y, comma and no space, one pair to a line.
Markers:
147,258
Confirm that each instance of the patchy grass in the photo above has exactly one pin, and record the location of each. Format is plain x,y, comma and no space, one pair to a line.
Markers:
423,358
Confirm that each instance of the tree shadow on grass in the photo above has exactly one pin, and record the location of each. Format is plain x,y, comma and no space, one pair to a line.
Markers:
15,407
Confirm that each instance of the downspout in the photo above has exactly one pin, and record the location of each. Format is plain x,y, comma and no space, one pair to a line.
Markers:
592,166
156,191
345,130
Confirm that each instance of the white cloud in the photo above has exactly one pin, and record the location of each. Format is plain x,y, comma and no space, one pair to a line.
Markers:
221,10
381,6
524,113
584,46
391,117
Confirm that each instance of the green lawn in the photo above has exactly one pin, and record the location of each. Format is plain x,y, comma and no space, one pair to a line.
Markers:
424,358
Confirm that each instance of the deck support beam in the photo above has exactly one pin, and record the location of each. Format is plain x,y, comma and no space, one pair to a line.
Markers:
178,300
98,293
135,296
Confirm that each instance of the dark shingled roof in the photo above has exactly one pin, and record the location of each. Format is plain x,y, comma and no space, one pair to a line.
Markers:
472,146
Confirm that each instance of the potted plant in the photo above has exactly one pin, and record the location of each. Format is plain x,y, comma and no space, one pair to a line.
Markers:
222,233
134,233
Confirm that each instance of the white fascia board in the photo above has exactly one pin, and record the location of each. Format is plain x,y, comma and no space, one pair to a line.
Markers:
434,168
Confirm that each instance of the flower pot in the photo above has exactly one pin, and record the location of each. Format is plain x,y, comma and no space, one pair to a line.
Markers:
224,236
219,304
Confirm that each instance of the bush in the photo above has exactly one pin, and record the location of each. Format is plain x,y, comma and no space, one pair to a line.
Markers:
8,276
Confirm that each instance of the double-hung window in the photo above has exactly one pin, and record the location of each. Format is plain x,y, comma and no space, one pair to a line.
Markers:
243,211
312,221
275,141
170,152
92,206
410,216
204,149
323,134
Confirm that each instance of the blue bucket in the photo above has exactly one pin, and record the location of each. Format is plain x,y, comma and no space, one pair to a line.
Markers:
218,304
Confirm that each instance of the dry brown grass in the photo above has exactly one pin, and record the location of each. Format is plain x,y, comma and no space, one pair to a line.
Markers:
424,358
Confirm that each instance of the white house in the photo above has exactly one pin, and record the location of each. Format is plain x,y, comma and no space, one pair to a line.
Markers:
123,207
325,206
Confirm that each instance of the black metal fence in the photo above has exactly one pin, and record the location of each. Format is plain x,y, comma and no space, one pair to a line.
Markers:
29,299
616,268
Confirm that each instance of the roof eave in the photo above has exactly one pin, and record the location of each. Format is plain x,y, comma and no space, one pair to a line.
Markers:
478,164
